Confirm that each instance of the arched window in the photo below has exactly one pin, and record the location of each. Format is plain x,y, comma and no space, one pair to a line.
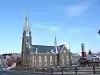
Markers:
27,41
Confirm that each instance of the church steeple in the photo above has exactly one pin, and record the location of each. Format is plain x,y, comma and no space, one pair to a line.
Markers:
27,31
26,22
26,42
27,28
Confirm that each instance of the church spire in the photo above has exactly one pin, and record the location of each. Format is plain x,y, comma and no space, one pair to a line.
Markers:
27,28
27,22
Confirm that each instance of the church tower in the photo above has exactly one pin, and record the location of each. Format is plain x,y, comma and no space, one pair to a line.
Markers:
83,50
26,43
83,60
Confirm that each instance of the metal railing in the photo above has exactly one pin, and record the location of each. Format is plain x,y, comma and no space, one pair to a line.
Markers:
65,70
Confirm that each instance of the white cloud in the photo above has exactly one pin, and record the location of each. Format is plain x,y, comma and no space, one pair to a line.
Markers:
59,30
74,30
50,28
77,9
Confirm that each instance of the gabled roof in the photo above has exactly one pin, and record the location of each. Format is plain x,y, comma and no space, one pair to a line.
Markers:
89,56
98,54
44,48
92,55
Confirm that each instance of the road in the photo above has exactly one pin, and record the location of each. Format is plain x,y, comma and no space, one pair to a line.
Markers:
18,73
37,73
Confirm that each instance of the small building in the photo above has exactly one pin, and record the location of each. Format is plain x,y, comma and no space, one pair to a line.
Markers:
90,59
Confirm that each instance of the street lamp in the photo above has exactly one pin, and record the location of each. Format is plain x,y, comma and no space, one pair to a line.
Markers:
99,32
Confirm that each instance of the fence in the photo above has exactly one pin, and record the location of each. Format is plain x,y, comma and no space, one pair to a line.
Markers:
63,70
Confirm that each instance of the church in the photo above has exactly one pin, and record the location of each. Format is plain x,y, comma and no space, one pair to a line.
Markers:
43,56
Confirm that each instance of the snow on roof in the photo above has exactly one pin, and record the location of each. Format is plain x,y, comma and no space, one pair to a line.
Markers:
89,56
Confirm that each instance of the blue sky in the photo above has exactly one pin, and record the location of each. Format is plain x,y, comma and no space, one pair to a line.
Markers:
72,21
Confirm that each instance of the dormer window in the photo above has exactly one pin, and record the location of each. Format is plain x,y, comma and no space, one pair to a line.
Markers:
64,51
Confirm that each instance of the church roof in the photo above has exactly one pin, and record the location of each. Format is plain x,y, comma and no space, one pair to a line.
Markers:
44,48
